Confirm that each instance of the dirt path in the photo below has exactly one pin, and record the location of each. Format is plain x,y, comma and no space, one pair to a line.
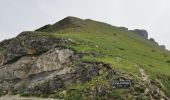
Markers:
143,75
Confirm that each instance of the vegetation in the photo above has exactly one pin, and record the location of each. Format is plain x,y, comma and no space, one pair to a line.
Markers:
118,47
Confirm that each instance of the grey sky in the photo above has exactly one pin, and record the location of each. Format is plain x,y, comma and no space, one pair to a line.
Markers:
24,15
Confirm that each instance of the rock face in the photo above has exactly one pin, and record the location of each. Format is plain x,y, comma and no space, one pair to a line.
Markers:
27,43
37,64
32,59
140,32
156,43
38,71
26,66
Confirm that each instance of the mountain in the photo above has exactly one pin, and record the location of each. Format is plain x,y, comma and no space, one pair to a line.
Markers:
77,59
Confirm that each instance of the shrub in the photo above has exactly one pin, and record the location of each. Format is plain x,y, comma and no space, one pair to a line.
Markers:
168,61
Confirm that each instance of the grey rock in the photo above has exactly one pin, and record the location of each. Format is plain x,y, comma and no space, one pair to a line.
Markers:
163,46
88,71
27,43
39,71
45,73
50,61
153,41
140,32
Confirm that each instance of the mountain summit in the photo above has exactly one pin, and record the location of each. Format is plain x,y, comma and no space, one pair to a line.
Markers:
64,23
77,59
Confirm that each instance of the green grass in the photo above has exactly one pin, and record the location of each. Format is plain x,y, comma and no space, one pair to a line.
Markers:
119,48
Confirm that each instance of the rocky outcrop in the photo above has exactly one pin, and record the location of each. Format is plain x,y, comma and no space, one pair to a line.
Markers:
141,32
144,34
156,43
163,46
33,63
26,66
27,43
34,72
49,72
32,59
153,41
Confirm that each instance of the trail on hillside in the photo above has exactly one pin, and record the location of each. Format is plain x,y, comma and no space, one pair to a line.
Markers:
144,76
151,87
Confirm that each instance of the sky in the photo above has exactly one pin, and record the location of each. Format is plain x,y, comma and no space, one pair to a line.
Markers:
27,15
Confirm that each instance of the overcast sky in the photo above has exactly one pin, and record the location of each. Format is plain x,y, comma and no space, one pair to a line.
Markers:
27,15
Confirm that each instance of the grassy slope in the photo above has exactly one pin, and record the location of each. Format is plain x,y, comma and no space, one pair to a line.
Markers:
118,47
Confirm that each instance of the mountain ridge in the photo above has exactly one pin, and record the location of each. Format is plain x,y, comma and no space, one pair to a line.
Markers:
77,22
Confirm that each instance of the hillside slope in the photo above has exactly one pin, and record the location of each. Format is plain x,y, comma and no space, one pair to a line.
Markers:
79,59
